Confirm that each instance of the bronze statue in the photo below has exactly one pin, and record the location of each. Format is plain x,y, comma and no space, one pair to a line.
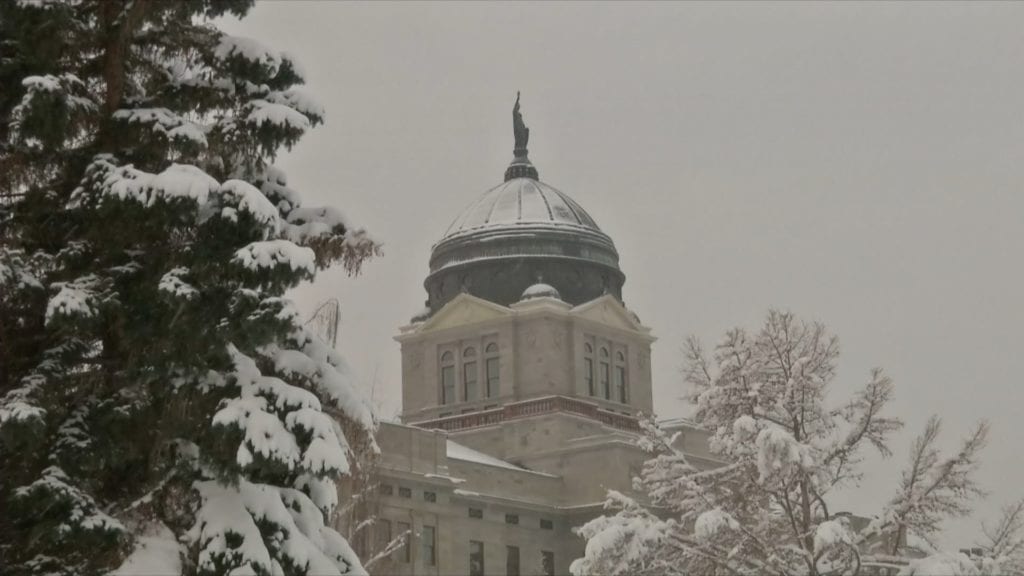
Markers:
522,133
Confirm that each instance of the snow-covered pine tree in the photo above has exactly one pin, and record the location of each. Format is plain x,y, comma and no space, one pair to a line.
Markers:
162,408
784,450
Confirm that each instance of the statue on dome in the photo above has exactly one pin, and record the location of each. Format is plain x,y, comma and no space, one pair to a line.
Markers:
522,133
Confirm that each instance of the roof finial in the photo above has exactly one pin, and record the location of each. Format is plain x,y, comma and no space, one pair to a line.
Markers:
522,133
521,166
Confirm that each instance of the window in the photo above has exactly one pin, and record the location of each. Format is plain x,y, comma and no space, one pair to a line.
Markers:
476,558
467,410
447,378
620,378
383,535
476,513
428,542
546,524
588,368
405,492
469,392
547,562
405,533
430,496
444,414
511,519
512,560
386,489
605,389
491,366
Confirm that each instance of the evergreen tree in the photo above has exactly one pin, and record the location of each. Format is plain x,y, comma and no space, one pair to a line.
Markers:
162,407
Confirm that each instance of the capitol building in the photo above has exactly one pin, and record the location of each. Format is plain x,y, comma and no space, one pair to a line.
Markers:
522,382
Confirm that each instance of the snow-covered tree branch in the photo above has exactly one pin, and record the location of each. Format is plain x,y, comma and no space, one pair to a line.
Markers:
764,399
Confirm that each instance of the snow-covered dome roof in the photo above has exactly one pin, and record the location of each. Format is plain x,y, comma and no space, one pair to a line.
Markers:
518,231
540,290
519,202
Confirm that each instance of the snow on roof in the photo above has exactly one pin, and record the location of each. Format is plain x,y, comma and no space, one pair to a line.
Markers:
459,452
519,201
540,290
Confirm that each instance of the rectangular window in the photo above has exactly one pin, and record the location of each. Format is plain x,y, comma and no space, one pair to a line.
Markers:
620,384
605,390
444,414
546,524
547,562
588,371
430,496
448,385
512,560
467,410
493,378
476,558
511,519
405,533
386,489
476,513
383,535
428,541
405,492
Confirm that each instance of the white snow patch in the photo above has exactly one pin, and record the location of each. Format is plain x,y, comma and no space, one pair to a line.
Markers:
157,553
249,49
712,522
281,115
274,253
459,452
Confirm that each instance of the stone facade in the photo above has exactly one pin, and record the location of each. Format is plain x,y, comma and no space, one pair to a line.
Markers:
512,473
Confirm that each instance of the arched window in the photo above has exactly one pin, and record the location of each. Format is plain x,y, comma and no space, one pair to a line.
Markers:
606,391
588,367
447,378
492,368
620,378
469,375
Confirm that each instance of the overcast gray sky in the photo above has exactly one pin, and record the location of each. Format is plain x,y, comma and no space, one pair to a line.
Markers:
859,164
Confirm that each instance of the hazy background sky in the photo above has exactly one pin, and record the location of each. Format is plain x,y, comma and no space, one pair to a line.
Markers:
859,164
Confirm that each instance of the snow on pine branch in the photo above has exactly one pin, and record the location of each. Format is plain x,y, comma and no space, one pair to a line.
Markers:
164,121
235,523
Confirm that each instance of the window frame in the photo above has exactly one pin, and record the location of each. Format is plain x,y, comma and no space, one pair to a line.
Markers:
405,528
492,358
479,553
446,378
512,568
428,545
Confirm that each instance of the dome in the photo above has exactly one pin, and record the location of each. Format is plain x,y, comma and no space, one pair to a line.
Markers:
540,290
517,232
520,202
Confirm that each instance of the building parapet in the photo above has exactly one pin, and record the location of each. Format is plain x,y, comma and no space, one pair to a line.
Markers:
532,407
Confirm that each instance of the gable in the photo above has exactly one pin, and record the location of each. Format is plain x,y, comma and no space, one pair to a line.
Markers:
608,311
461,311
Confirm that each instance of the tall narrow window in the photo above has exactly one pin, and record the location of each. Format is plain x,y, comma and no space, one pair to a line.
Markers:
447,378
512,560
547,562
469,379
620,378
405,533
429,542
605,368
588,368
493,375
383,535
476,558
